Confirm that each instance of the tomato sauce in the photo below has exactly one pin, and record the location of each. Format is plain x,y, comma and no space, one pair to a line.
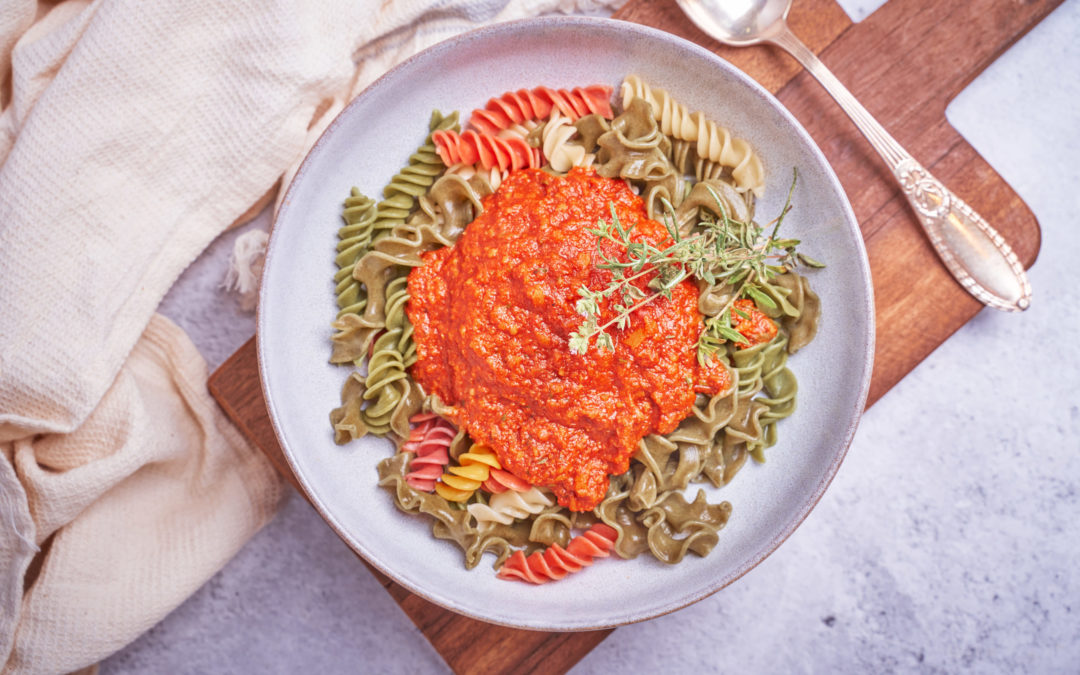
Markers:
493,315
752,323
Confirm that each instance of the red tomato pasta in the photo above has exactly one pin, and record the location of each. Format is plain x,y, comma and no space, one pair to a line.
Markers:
525,105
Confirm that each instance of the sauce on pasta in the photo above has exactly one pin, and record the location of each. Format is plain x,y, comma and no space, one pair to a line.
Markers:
492,317
754,325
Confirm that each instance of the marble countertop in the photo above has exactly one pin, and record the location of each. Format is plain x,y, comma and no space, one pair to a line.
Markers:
949,539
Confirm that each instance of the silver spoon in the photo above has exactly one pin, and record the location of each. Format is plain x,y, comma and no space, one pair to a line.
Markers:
973,251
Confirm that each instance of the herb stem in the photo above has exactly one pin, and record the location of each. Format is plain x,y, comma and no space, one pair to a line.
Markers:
639,305
718,251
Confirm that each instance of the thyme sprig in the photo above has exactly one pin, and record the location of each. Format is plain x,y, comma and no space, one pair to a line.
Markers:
719,250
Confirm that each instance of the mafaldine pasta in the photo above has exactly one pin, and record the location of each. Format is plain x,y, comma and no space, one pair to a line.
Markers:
564,317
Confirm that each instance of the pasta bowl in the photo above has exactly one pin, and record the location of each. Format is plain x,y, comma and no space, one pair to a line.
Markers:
370,141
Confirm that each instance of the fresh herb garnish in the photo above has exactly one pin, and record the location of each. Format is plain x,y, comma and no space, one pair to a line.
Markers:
718,250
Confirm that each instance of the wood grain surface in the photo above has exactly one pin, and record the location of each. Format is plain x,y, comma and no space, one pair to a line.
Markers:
905,63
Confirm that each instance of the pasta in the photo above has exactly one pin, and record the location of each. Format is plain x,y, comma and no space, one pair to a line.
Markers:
633,148
556,562
689,172
560,151
430,442
527,105
386,399
510,505
492,176
714,143
461,481
489,151
500,481
386,386
355,238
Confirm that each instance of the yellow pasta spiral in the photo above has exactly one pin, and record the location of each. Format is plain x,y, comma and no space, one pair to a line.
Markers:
458,483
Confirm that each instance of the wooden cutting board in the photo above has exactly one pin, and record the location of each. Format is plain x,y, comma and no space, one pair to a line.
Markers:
905,63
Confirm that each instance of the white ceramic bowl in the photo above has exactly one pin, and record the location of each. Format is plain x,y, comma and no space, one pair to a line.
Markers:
371,140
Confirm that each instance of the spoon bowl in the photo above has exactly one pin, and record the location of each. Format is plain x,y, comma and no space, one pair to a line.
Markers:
738,22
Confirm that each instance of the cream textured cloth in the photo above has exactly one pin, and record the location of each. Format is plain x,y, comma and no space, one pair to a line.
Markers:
131,134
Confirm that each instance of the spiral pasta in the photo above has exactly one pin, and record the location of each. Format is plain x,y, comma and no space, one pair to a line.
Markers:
384,399
633,148
493,176
348,419
507,153
748,365
714,142
781,387
500,481
800,308
430,441
554,525
556,562
579,101
450,522
560,151
717,197
461,481
668,529
521,130
697,524
365,224
516,107
662,465
441,215
509,505
512,107
684,156
387,384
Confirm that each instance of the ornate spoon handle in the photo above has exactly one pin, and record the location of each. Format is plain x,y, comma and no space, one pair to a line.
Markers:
973,252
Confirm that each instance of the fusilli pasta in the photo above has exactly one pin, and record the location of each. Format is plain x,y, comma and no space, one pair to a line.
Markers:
556,562
387,384
506,506
714,142
424,166
683,165
517,107
355,239
560,152
472,469
508,152
430,442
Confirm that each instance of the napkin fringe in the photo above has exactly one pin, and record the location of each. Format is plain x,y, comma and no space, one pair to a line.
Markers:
246,267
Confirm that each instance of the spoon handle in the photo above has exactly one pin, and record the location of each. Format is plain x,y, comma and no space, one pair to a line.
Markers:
973,251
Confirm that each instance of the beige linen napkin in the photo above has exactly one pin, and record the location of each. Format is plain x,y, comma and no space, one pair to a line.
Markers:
131,134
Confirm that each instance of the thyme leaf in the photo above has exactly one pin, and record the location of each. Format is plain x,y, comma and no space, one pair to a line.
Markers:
718,250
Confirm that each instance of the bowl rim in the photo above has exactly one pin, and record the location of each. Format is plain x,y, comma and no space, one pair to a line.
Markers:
545,22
